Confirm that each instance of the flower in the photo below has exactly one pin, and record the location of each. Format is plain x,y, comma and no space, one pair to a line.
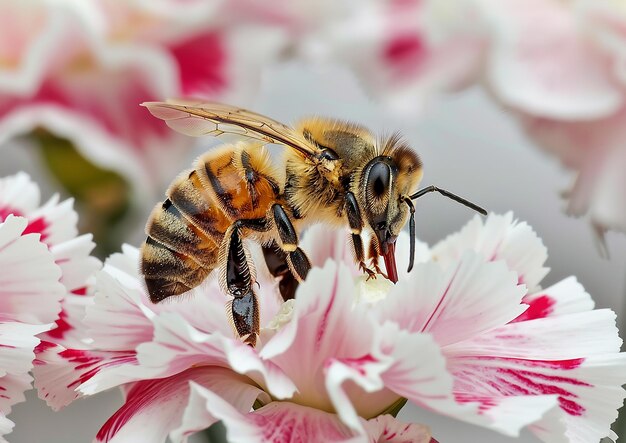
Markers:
460,335
80,70
43,268
559,68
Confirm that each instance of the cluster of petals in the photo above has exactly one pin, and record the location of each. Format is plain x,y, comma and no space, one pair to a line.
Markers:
558,66
469,333
80,69
44,269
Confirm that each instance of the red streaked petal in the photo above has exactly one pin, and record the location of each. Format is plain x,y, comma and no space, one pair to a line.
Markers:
154,408
286,421
61,373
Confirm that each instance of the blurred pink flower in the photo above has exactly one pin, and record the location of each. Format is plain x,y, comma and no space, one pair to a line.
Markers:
459,335
80,70
42,266
560,67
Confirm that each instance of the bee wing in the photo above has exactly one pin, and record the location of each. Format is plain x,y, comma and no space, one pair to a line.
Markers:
197,119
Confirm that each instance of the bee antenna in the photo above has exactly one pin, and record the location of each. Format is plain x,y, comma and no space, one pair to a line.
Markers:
418,194
448,194
409,203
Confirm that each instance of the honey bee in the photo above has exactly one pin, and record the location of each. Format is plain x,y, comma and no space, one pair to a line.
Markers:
333,172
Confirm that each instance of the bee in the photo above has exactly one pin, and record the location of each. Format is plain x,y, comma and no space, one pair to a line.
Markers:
332,172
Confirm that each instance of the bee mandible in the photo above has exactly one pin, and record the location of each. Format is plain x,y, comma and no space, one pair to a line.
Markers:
333,172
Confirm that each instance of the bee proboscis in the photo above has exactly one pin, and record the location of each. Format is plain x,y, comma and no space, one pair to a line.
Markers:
333,172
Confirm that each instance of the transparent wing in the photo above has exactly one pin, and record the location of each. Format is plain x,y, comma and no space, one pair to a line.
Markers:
197,118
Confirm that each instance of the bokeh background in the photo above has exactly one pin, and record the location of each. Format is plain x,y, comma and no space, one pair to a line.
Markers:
468,142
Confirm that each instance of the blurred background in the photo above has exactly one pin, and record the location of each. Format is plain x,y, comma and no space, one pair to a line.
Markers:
532,125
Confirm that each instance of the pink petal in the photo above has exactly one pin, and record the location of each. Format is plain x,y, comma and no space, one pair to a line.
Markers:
541,64
29,283
322,243
323,311
499,237
387,374
467,299
202,62
385,428
154,408
284,421
177,346
595,149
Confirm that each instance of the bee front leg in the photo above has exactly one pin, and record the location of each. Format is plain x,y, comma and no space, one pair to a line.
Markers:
298,262
374,254
237,278
356,226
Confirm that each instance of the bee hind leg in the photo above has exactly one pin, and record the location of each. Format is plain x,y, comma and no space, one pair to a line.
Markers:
237,277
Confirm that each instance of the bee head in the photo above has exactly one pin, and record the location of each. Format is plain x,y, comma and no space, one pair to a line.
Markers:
385,182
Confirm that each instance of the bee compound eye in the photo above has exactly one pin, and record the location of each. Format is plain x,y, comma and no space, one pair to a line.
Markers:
378,179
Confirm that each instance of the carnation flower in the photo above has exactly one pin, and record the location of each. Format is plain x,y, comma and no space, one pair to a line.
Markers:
469,333
559,67
42,263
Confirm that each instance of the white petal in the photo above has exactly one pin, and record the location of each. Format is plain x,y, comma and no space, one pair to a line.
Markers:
324,325
569,336
55,221
6,426
177,346
233,390
19,195
499,238
470,297
77,266
29,282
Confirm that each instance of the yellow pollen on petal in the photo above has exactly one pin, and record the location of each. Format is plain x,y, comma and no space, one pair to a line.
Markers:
283,316
373,290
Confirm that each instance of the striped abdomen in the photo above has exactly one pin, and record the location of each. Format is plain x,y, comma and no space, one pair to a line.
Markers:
185,232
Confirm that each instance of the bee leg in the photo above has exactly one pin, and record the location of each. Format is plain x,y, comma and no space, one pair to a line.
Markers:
276,261
374,255
298,262
356,226
238,278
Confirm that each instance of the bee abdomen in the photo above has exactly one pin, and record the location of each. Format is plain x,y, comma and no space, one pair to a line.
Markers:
168,226
176,256
168,272
197,205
